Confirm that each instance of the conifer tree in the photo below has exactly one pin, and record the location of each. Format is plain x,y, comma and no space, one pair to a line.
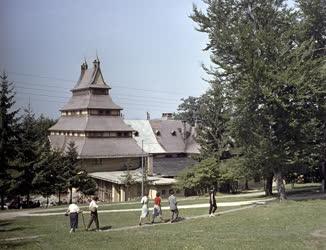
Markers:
71,168
8,134
27,155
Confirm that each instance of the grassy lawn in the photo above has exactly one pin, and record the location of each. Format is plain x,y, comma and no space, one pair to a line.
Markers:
192,201
287,225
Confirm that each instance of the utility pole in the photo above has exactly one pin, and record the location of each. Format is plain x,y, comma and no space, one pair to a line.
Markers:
142,168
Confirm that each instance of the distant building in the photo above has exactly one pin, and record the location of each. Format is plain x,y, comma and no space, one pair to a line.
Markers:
107,145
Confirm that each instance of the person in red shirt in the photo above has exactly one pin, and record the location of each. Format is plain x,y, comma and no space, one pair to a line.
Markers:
157,211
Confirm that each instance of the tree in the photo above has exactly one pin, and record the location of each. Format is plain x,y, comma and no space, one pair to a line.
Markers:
71,168
212,131
200,177
189,110
27,155
85,184
255,49
8,134
47,172
128,180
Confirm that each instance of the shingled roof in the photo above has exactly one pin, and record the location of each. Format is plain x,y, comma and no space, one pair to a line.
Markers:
174,137
90,78
170,167
91,123
98,147
90,102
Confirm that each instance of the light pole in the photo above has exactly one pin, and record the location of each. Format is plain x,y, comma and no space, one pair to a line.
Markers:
142,168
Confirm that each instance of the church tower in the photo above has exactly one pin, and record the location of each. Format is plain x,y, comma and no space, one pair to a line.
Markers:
93,121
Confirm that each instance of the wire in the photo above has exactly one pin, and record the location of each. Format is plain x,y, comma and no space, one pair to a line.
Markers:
118,96
115,86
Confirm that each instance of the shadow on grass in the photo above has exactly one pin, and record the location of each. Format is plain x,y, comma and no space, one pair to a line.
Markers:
2,230
106,227
5,223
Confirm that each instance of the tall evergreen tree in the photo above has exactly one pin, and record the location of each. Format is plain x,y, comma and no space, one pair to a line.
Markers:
71,168
8,134
27,155
48,176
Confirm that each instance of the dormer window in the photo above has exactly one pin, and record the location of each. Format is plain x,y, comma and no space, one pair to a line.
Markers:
136,133
173,133
157,132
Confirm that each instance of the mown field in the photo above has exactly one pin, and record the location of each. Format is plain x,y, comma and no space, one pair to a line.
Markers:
286,225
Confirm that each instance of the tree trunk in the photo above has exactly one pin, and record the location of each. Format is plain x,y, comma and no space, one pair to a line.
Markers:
269,185
280,186
323,171
27,200
59,196
2,201
47,201
246,186
70,196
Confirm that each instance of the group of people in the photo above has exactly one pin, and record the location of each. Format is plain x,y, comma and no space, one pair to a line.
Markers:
157,209
73,210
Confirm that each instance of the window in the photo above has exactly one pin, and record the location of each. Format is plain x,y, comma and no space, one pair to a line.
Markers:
163,192
157,132
136,133
173,132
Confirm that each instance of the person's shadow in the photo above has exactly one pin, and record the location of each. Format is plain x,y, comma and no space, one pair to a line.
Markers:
106,228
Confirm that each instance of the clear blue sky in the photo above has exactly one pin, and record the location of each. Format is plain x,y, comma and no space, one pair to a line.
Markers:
149,51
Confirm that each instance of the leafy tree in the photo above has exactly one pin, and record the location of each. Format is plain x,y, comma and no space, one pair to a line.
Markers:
256,50
212,131
200,177
8,134
128,180
189,110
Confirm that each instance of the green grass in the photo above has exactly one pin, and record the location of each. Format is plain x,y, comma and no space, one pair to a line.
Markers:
285,225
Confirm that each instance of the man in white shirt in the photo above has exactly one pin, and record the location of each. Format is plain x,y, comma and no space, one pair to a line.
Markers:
73,211
94,216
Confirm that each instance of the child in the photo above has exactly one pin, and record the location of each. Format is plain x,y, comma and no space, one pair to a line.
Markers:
173,207
144,209
73,211
157,211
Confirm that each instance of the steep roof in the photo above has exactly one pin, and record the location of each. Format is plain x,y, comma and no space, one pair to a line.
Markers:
170,135
98,147
90,101
91,123
91,78
145,135
170,167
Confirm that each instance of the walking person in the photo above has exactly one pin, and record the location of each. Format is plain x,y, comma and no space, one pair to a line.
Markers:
94,216
212,202
157,210
173,207
73,211
144,210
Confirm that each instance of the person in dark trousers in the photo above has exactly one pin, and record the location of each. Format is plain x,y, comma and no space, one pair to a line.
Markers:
73,211
173,207
94,216
212,202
